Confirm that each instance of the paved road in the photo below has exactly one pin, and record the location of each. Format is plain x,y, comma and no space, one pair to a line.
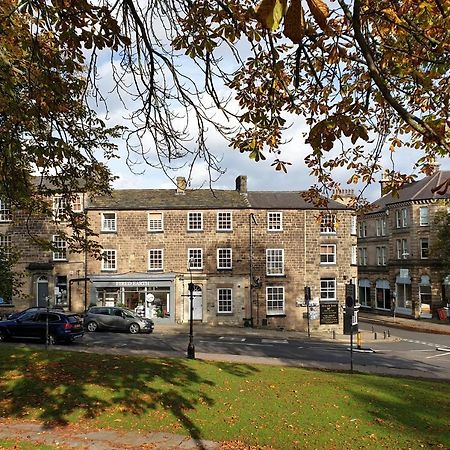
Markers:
404,352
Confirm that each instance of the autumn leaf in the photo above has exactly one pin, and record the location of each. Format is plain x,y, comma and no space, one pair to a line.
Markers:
320,12
294,22
270,13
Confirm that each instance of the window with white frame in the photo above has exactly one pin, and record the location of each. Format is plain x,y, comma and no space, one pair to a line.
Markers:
405,251
378,227
398,218
274,221
328,224
224,301
424,248
398,247
59,248
354,225
195,221
224,258
404,217
275,300
381,256
59,207
275,261
155,259
362,229
381,227
195,258
362,256
423,216
76,203
155,221
5,211
5,244
109,222
109,259
328,254
354,254
224,221
327,289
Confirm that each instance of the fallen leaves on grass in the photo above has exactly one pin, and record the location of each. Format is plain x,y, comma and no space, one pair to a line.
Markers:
239,445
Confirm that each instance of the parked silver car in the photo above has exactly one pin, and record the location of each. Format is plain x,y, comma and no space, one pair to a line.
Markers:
116,319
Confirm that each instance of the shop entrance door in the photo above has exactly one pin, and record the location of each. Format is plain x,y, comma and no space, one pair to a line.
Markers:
42,291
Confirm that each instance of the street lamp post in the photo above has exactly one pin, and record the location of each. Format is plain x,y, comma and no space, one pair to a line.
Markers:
191,347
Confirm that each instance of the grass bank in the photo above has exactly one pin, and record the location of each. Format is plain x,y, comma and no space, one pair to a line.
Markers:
284,408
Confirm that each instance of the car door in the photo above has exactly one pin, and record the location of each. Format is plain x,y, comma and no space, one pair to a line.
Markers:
118,321
26,326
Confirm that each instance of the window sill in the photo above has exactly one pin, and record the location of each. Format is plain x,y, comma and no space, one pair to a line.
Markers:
276,315
155,231
224,314
108,231
224,231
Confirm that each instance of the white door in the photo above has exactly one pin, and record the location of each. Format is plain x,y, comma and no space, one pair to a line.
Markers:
198,303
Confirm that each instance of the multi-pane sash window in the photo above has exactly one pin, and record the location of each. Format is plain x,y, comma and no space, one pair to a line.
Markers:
59,207
381,256
155,259
224,221
274,221
398,247
404,217
381,227
362,256
328,254
5,245
354,225
354,255
275,300
328,224
195,221
155,221
275,261
327,289
405,252
5,211
362,229
195,258
424,248
109,222
76,203
60,248
224,258
364,292
423,213
109,260
398,218
224,300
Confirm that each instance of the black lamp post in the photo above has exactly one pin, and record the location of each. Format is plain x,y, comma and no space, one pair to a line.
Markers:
191,347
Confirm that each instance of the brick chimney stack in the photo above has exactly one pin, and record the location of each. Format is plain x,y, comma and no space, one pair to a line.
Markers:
181,185
241,184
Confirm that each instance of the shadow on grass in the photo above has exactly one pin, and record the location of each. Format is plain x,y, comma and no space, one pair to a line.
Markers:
51,386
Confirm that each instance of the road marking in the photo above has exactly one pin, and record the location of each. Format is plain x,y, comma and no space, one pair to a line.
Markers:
274,341
243,343
412,341
438,356
231,338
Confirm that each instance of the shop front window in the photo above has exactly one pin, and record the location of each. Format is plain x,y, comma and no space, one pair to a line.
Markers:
61,290
404,296
383,295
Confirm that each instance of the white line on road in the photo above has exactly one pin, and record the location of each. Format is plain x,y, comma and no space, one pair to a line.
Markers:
438,356
231,338
274,341
243,343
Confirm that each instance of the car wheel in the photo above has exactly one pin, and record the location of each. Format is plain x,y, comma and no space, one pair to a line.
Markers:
134,328
3,336
51,340
92,326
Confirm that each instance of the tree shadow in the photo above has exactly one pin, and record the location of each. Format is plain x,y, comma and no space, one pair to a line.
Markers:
55,386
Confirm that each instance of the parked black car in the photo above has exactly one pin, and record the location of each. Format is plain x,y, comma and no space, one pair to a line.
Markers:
17,314
62,327
116,319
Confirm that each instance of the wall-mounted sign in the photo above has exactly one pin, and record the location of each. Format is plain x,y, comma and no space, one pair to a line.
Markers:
329,313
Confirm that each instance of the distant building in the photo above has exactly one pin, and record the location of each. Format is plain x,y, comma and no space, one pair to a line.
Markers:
395,266
249,254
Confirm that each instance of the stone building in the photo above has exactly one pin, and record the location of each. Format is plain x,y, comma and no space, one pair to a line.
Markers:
249,255
396,269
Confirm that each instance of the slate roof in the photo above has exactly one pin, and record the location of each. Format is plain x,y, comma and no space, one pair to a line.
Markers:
285,200
416,191
132,199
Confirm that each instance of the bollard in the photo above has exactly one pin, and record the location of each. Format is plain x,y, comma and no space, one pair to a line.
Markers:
373,331
389,333
358,340
334,334
384,334
375,336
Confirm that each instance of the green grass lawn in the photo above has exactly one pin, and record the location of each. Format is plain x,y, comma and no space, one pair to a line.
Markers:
260,405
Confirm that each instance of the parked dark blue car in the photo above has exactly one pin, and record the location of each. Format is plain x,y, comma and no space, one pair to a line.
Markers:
32,325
